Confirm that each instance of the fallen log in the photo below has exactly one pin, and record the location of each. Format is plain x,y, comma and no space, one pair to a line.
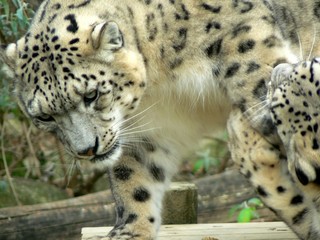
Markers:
64,219
56,220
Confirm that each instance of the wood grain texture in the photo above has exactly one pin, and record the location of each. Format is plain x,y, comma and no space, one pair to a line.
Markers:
227,231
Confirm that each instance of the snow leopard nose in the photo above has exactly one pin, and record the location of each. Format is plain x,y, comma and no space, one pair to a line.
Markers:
91,150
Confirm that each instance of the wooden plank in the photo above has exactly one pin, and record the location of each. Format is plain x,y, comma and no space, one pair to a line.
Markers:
64,219
227,231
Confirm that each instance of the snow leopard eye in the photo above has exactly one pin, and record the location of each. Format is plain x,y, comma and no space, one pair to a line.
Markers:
45,118
90,97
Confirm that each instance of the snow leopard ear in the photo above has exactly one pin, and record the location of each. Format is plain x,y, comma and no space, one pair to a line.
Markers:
8,55
107,35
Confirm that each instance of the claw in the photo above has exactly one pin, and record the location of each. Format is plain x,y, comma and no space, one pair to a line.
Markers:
317,180
302,177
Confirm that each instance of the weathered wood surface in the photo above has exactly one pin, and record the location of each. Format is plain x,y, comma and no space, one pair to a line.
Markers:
180,204
228,231
56,220
64,219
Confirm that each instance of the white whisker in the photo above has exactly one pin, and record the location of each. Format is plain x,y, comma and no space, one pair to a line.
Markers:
133,141
254,106
134,116
70,171
257,114
133,137
264,104
78,166
132,124
128,145
313,42
134,128
300,46
135,132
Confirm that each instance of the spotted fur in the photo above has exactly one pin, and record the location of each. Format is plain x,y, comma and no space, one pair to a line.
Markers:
132,85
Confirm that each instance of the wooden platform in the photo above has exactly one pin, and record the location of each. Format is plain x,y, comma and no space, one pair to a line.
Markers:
228,231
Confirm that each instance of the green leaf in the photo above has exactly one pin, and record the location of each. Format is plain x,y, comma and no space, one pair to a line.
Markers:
215,161
234,209
3,186
198,165
206,164
255,202
6,8
16,3
255,214
14,25
245,215
19,14
30,14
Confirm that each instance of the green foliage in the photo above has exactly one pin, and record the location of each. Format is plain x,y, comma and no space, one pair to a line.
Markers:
211,154
246,210
4,186
5,101
15,16
14,19
206,159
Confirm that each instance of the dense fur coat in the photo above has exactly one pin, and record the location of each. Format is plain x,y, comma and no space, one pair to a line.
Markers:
133,85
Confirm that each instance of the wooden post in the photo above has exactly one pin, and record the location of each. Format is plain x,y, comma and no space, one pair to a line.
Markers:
180,204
